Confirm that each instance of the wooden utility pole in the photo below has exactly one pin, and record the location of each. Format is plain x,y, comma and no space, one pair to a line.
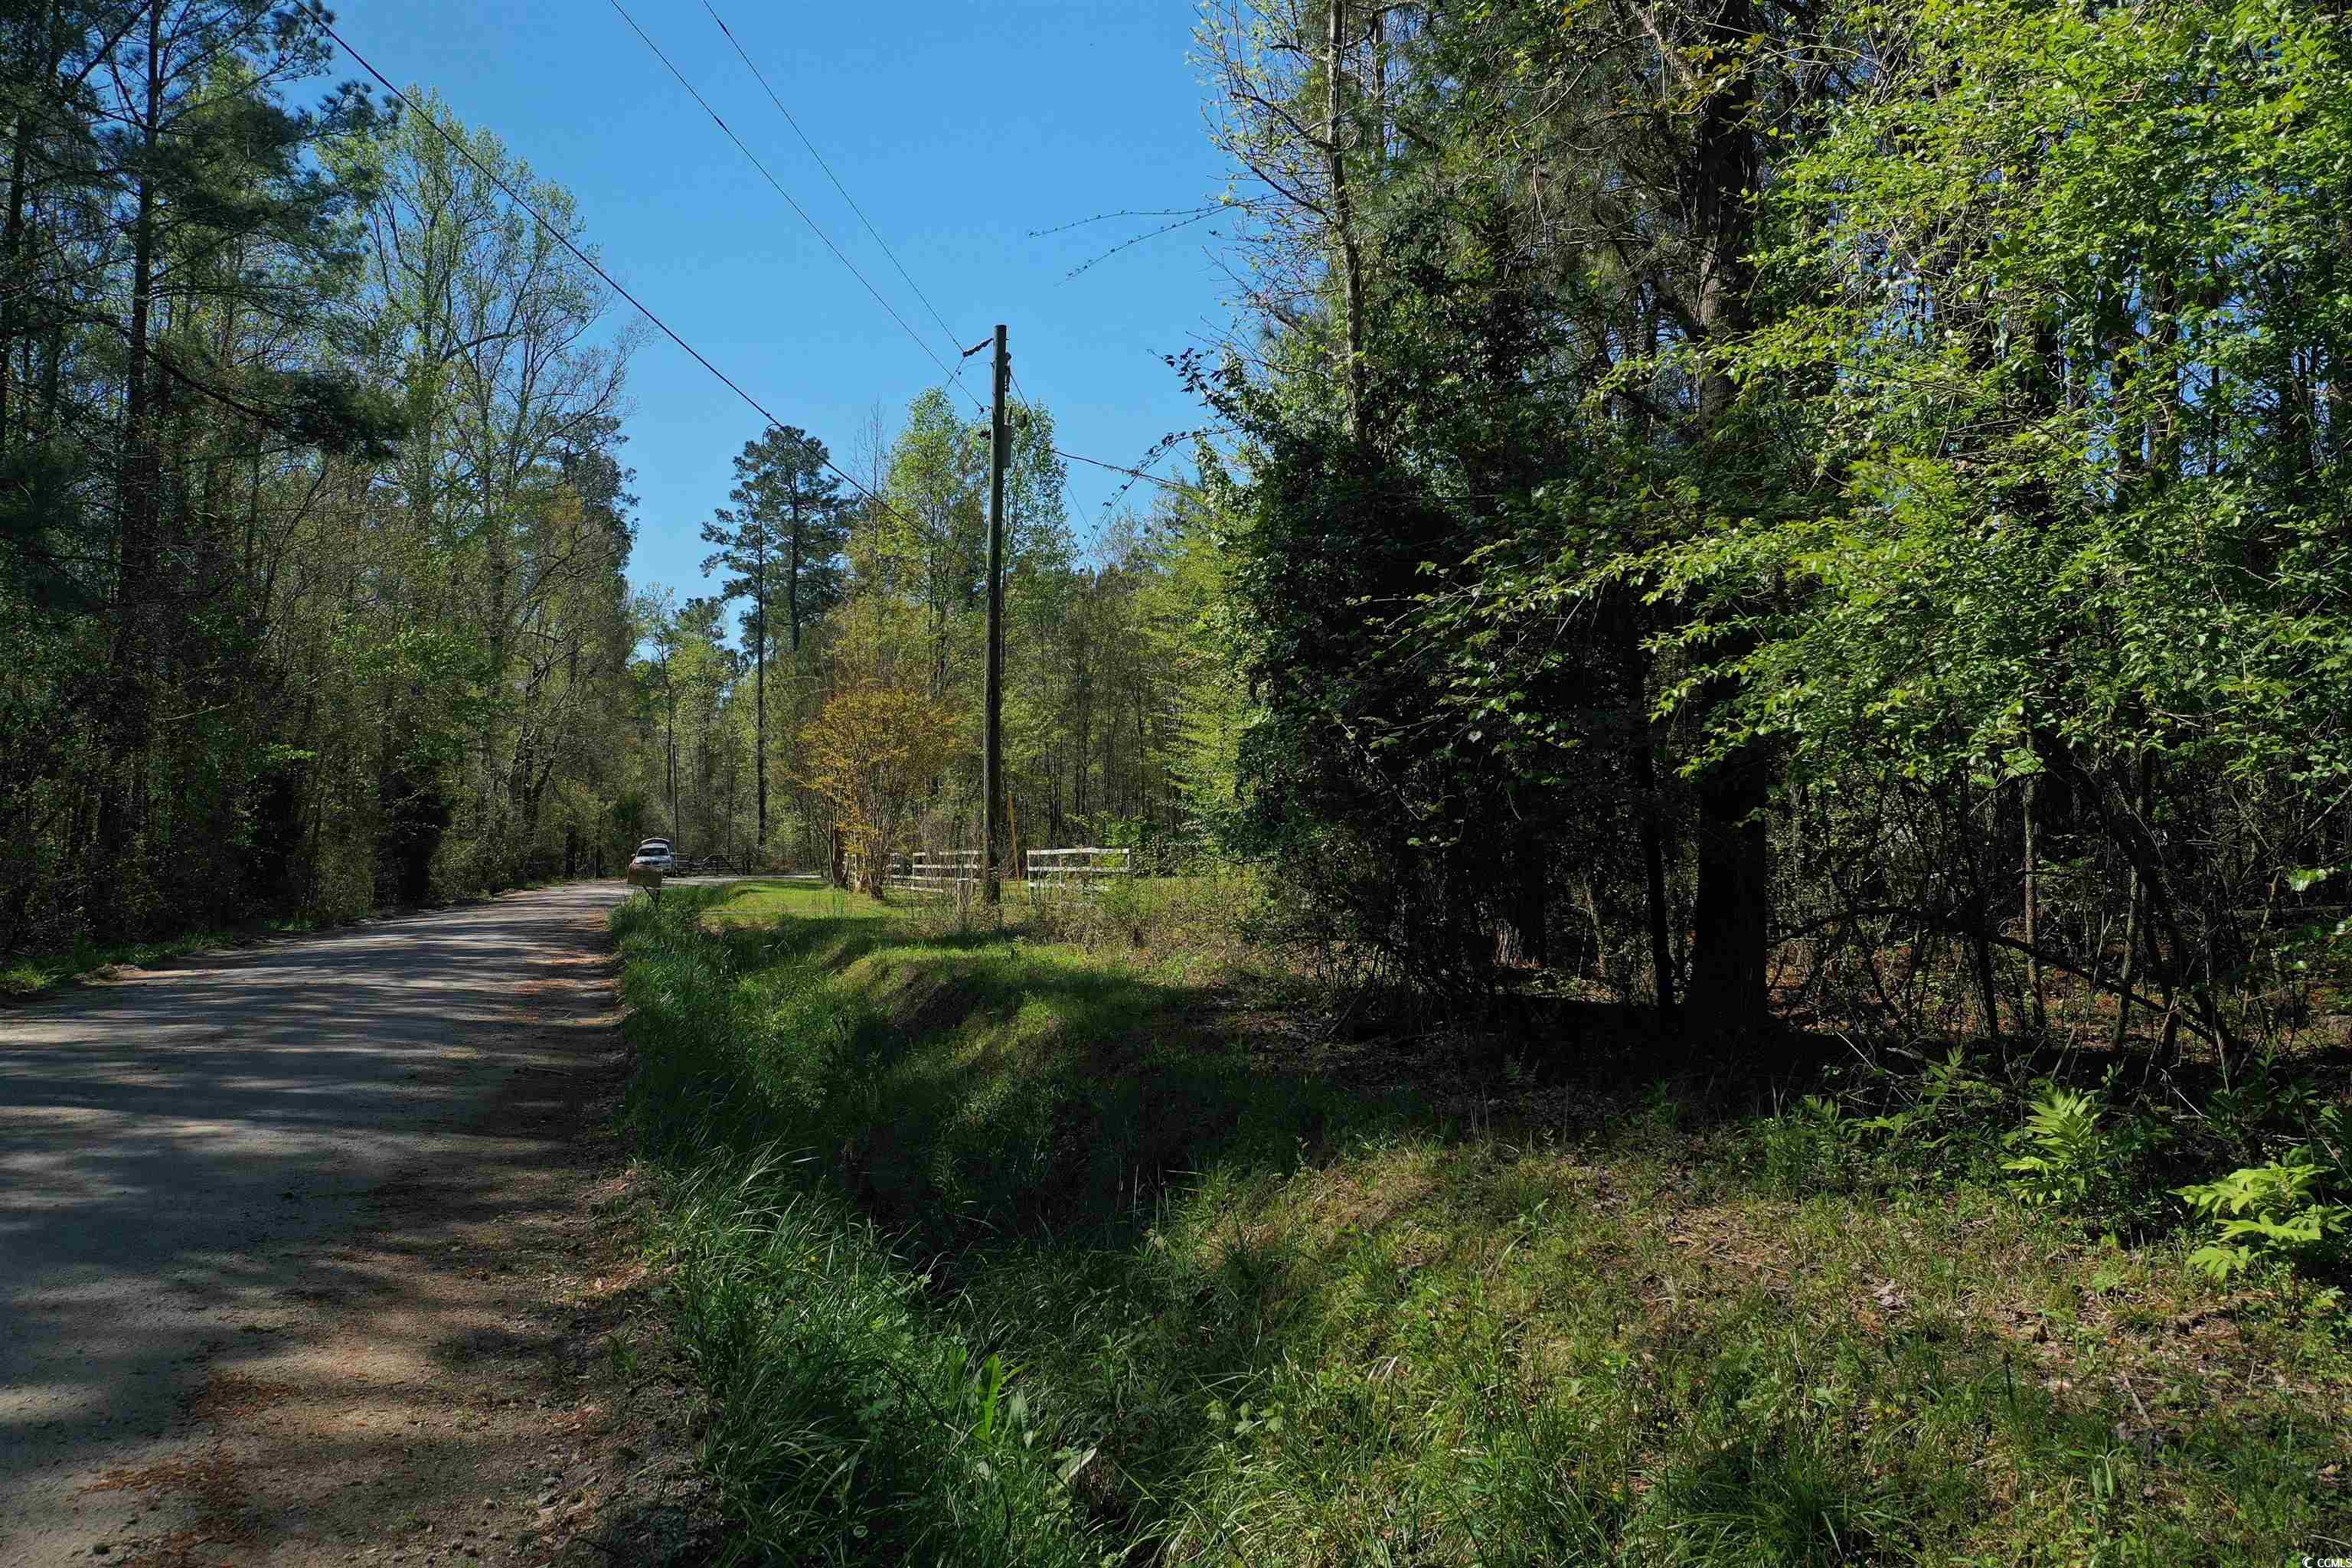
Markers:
759,694
991,755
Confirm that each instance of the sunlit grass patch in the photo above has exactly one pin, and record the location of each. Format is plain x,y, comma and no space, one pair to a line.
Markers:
764,901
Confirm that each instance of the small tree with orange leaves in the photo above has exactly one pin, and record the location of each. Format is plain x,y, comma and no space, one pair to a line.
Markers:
871,752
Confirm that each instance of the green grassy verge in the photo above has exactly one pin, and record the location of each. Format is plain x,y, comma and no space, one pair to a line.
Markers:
31,975
990,1250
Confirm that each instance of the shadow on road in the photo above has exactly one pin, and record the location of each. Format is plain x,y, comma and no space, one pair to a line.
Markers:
198,1158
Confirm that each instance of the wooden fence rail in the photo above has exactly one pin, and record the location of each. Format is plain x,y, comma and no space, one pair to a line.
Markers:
942,872
1082,870
1050,871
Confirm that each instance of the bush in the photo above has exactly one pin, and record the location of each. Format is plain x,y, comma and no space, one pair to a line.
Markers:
2272,1211
2074,1153
2277,1212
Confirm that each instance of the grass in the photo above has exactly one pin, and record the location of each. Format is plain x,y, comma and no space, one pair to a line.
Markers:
764,902
32,975
991,1250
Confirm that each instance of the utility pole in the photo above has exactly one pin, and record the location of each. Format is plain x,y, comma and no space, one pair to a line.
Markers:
991,755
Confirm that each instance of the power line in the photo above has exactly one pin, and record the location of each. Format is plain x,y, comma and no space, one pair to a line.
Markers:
1023,393
777,186
585,259
564,240
760,77
953,376
1132,473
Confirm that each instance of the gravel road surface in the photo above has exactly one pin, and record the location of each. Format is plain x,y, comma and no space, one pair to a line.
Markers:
193,1164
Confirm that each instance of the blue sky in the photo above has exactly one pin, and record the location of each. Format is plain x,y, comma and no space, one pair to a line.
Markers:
960,127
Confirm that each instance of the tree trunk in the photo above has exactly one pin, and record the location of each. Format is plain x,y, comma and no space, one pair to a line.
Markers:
119,829
759,705
1654,877
1729,913
792,581
1530,930
12,253
1729,934
2037,1011
1343,224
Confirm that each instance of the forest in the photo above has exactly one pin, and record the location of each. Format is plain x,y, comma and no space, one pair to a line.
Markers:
1810,512
1818,513
1815,510
867,581
315,528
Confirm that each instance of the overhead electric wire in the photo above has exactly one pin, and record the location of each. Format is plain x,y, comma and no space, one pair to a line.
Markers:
760,78
742,147
1022,393
458,146
954,376
585,259
1132,473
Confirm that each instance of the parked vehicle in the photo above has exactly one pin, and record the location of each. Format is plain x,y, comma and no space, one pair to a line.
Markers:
654,855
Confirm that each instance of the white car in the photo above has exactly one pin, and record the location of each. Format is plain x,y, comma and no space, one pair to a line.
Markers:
654,855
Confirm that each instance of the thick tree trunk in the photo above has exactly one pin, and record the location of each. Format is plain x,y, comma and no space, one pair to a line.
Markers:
1729,913
130,654
1529,936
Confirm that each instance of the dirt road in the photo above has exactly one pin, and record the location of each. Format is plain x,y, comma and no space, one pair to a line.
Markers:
300,1250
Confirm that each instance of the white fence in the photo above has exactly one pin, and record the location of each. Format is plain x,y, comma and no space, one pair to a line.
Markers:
1050,871
940,873
1054,871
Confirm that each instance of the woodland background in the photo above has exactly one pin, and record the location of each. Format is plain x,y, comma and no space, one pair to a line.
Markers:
1823,509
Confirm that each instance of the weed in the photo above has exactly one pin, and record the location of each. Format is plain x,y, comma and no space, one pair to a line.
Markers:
1777,1499
1816,1147
2074,1152
991,1250
2280,1211
30,974
846,1427
2270,1211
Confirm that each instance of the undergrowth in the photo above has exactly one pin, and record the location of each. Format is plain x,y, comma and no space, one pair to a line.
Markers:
30,974
993,1251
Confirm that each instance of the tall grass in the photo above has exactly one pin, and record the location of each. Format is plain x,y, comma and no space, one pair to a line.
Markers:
990,1250
848,1426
